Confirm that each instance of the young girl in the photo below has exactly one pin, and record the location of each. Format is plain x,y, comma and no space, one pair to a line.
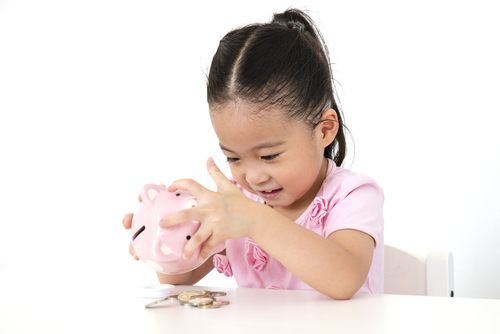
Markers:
291,218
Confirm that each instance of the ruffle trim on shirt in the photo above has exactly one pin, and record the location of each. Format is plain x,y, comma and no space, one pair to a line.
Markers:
221,263
255,256
318,212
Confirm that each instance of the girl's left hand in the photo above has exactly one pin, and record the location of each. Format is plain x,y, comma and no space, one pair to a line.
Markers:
225,214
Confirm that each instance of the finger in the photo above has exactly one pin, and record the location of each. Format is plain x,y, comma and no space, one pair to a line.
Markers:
127,220
219,178
189,185
132,251
196,241
207,248
181,216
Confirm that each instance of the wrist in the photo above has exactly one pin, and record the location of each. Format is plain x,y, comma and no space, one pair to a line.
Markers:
262,215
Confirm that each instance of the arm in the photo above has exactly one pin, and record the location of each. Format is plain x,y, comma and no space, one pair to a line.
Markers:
336,266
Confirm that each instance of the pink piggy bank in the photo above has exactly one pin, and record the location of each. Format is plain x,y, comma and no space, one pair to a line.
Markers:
161,248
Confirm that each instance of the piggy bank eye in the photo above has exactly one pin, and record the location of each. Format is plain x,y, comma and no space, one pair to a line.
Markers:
191,203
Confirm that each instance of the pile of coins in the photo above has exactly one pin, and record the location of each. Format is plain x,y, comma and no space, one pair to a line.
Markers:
194,298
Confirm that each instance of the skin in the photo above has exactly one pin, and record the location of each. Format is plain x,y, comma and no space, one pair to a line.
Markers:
268,151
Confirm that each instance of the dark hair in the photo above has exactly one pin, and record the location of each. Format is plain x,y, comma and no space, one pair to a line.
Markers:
285,63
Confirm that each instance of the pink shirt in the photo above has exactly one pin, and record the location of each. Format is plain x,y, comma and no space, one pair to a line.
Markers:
345,201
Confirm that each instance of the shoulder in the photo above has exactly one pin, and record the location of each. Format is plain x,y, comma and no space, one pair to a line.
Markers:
341,183
352,201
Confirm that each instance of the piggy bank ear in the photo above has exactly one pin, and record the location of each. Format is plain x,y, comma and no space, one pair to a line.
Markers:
190,203
152,193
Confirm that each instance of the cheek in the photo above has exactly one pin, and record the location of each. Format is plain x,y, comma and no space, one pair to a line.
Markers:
234,172
301,176
298,185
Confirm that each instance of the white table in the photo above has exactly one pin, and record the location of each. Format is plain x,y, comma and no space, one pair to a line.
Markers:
250,311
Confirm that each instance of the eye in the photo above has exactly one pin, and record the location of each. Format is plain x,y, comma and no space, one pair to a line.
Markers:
269,157
230,160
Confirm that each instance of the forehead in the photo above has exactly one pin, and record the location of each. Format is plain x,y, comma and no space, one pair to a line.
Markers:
242,125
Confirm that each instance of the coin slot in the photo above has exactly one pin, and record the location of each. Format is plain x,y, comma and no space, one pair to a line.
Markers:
139,231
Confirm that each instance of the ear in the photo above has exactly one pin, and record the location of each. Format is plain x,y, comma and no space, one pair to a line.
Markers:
328,126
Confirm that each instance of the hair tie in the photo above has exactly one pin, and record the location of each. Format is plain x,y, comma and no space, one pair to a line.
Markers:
296,25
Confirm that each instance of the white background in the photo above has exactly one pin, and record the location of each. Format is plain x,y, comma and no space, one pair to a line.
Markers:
100,97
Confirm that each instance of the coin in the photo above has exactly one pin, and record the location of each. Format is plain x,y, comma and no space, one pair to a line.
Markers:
194,298
201,301
160,301
215,304
216,293
185,296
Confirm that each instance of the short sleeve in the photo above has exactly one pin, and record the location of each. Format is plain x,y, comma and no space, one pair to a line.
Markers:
359,206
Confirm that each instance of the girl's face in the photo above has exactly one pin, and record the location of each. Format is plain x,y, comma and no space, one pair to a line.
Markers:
277,158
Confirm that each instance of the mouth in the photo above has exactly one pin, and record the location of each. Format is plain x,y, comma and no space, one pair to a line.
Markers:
270,194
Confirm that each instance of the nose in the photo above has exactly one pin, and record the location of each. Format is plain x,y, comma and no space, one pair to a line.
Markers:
256,176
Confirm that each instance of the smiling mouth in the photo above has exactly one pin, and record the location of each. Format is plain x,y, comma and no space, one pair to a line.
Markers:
271,193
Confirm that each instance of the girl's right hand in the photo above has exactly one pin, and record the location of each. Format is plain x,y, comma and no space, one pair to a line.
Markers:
127,223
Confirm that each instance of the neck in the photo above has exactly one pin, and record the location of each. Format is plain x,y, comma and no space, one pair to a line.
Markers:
295,210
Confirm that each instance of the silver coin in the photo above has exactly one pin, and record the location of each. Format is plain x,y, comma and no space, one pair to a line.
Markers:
217,293
172,297
160,301
215,304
